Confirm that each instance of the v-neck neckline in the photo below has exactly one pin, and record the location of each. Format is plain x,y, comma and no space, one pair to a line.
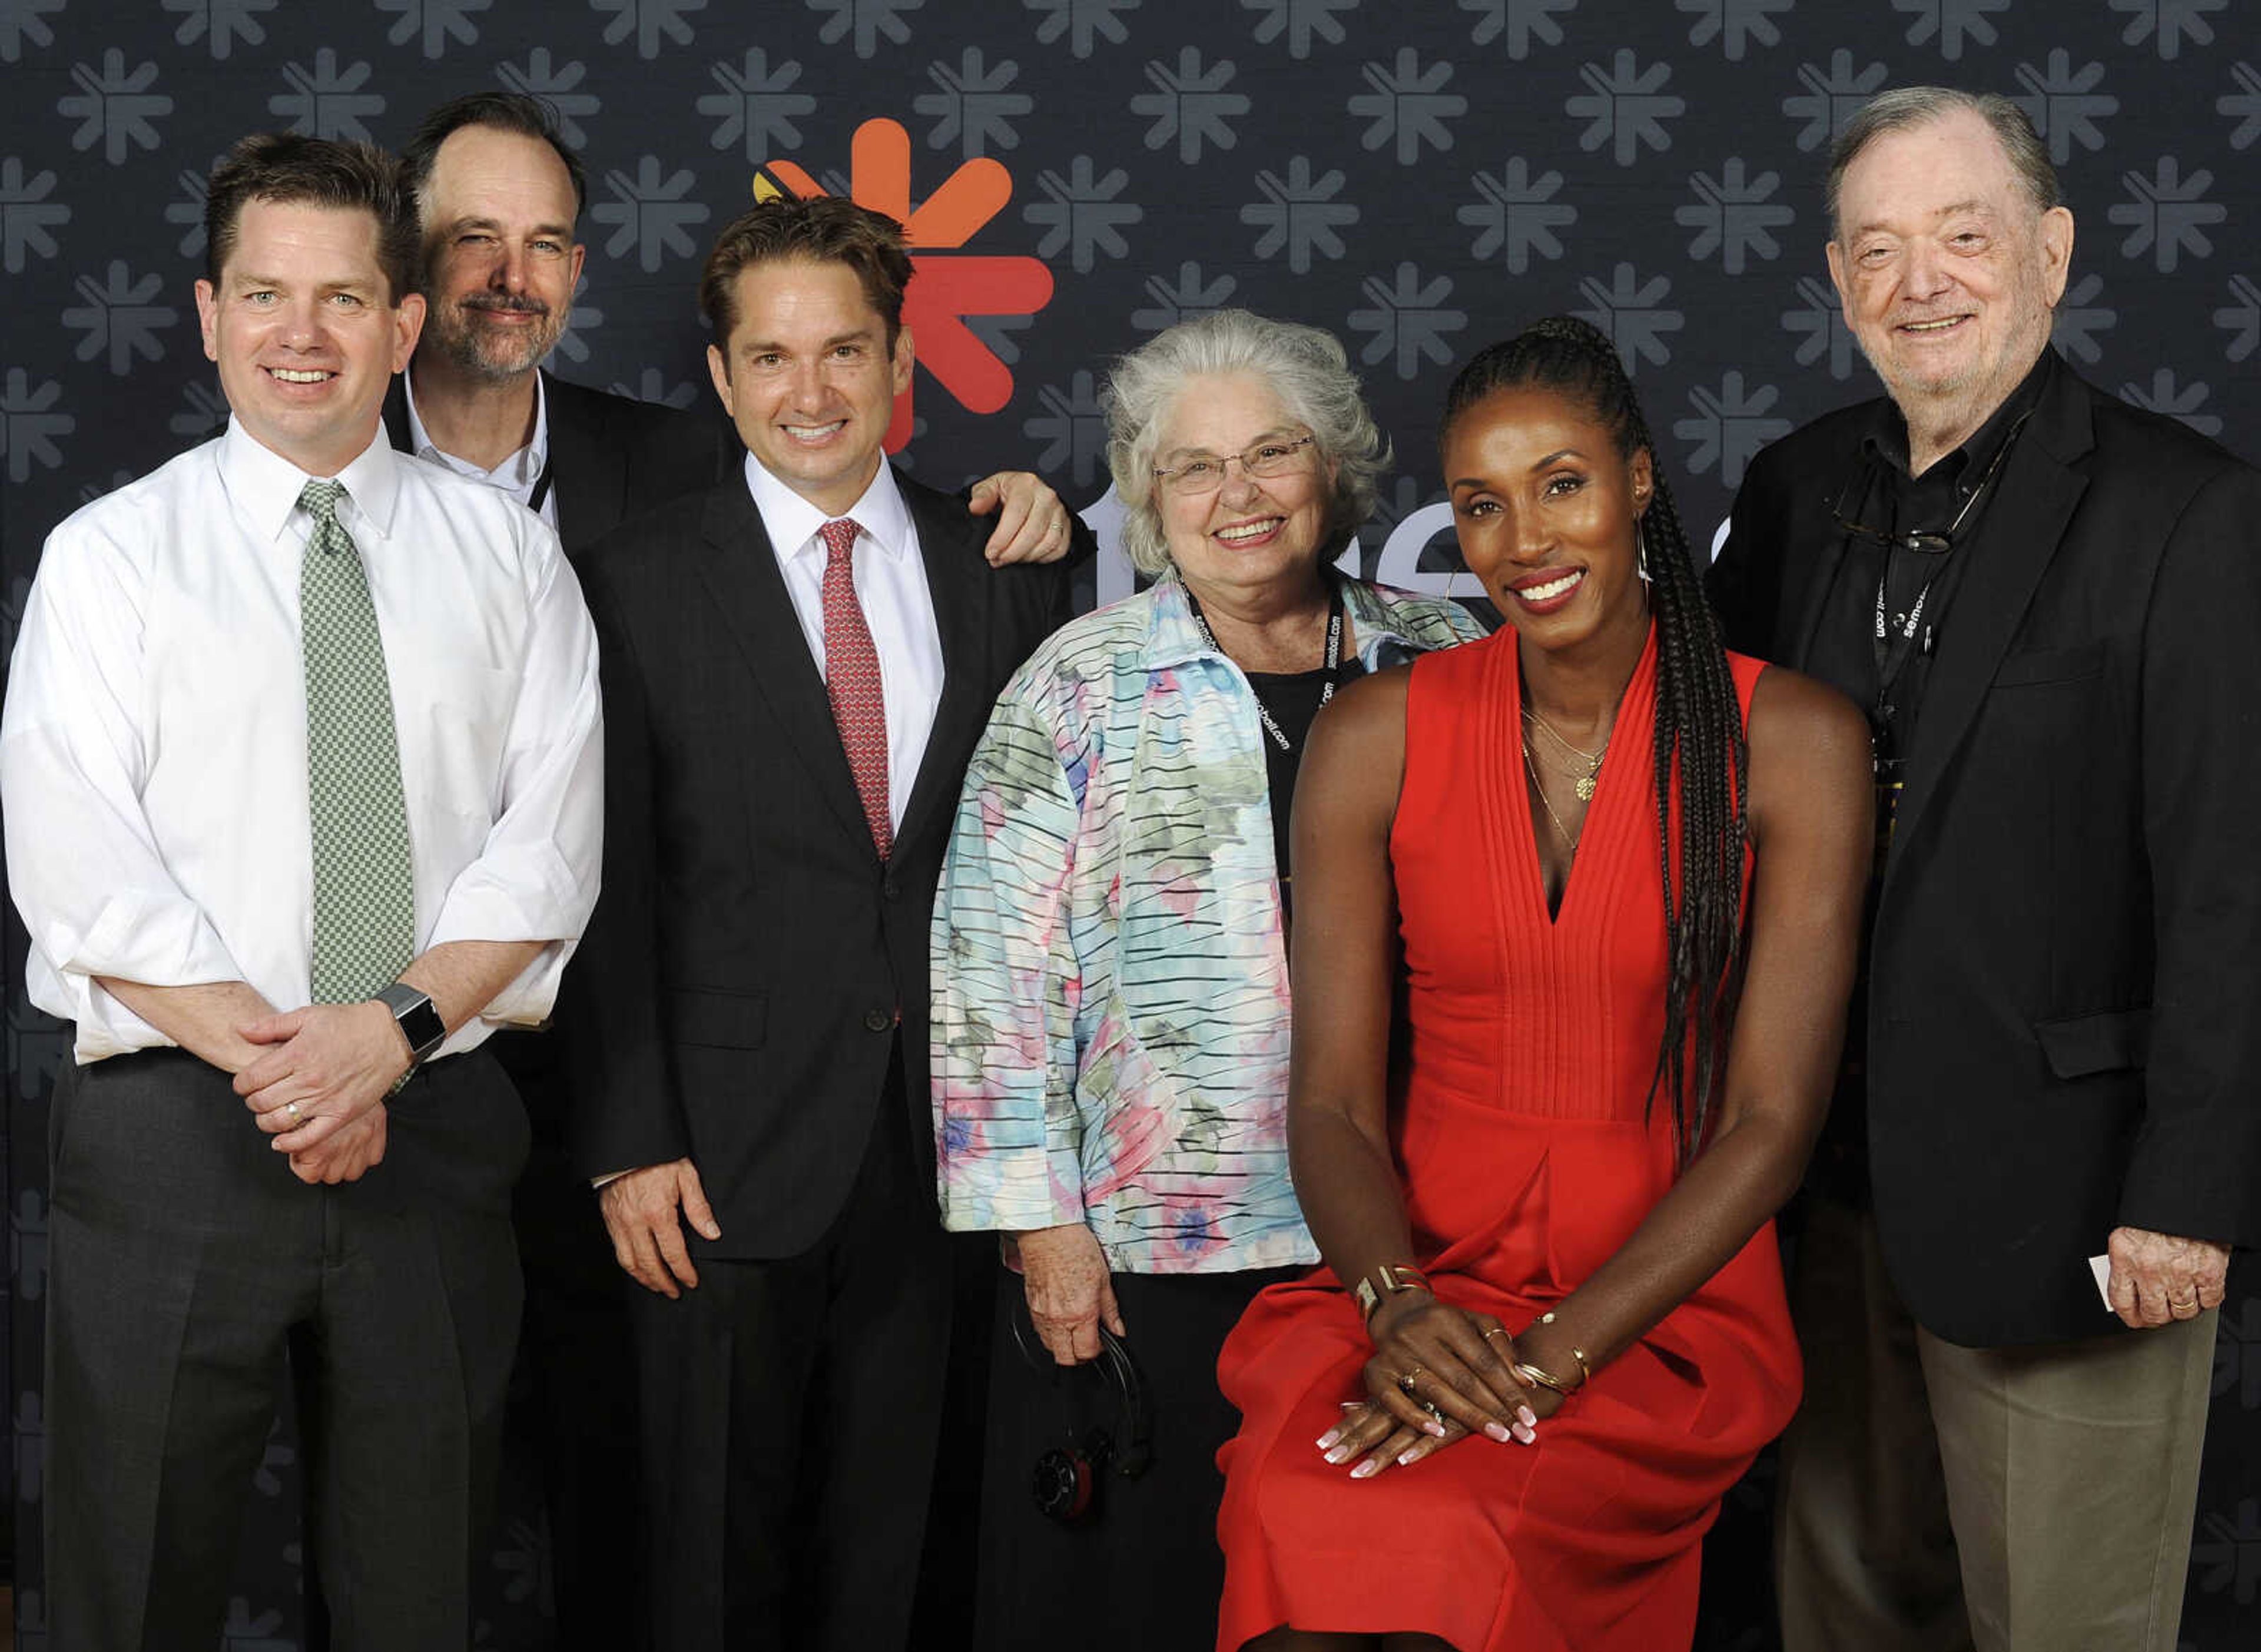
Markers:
1601,808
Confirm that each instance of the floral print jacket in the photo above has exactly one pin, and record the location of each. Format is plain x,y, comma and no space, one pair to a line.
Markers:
1111,984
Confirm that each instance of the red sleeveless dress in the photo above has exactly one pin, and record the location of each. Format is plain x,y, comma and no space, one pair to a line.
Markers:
1526,1162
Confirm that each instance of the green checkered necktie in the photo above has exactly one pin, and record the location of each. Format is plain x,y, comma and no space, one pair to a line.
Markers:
364,882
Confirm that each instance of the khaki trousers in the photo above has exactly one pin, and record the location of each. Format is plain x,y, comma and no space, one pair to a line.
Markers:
1935,1498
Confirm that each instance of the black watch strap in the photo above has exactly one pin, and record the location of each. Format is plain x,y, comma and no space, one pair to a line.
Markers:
420,1022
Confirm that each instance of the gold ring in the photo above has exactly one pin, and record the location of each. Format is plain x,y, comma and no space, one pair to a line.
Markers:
1496,1331
292,1108
1405,1383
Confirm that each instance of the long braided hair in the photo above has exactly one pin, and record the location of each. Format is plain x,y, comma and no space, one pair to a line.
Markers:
1699,721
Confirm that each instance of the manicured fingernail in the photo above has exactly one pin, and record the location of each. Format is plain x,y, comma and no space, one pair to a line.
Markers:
1340,1453
1328,1438
1527,1435
1368,1467
1435,1428
1530,1417
1497,1430
1410,1456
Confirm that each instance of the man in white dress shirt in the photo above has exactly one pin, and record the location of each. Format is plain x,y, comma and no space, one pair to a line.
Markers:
302,776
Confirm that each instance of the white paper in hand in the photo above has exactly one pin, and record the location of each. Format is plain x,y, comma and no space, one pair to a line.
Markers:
2101,1267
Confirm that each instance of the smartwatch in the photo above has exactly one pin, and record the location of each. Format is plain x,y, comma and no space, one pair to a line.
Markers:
419,1022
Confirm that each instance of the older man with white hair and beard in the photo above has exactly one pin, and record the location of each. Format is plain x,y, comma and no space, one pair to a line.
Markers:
2047,600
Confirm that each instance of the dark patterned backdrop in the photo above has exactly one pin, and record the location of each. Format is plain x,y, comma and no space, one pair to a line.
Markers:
1420,177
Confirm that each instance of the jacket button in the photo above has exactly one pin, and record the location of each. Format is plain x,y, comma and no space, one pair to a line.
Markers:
892,890
878,1020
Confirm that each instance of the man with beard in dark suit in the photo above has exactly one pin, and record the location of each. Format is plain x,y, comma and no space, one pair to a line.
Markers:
2048,601
499,195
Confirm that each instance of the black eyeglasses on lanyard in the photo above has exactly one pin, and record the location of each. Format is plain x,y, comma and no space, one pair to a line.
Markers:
1894,642
1923,541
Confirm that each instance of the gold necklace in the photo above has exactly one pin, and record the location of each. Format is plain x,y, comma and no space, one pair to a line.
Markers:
1538,785
1590,778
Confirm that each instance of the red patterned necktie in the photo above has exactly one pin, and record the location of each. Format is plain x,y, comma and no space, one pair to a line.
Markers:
852,678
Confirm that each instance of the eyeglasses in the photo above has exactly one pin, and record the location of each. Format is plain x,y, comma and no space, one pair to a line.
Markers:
1204,472
1929,542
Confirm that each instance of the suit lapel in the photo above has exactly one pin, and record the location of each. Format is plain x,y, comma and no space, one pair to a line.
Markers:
587,473
1811,519
396,412
741,572
959,581
2038,492
1820,576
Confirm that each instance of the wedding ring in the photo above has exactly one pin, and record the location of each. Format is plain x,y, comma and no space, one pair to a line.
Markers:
292,1108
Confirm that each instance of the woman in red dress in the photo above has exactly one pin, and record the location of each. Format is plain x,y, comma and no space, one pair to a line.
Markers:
1554,1331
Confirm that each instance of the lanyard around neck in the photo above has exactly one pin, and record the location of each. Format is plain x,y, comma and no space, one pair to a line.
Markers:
1332,665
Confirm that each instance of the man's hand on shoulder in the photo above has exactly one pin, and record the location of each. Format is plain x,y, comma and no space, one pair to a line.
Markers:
1032,523
2157,1278
324,1068
640,1213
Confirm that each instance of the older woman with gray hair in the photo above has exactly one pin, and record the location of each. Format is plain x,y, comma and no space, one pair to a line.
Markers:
1111,970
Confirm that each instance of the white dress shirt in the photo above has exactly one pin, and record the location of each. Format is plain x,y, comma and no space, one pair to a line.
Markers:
891,586
516,476
153,750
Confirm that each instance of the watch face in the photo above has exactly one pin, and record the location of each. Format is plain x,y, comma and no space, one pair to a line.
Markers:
421,1026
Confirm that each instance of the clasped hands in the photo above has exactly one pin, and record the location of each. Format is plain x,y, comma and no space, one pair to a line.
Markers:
1438,1373
320,1083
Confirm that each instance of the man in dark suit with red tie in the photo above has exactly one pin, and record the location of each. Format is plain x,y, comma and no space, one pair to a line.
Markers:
499,195
797,662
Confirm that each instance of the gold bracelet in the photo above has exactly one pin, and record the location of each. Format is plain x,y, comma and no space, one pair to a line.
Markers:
1395,1277
1544,1379
1585,1371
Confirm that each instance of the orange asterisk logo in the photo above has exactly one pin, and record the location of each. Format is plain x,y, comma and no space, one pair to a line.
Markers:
948,285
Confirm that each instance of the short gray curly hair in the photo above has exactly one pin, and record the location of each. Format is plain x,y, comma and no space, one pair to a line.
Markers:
1306,369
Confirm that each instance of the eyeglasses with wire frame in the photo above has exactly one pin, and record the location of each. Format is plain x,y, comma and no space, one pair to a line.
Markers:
1203,473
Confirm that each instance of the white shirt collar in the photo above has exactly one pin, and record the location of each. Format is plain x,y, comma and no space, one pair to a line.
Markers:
792,521
265,486
520,470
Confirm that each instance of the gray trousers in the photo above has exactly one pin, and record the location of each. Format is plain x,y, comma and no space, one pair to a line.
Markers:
1934,1498
182,1255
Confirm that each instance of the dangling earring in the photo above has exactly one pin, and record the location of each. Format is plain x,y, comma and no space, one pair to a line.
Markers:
1639,549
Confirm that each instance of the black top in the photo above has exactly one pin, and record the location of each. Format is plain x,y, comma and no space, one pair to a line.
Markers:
1887,678
1292,699
1880,497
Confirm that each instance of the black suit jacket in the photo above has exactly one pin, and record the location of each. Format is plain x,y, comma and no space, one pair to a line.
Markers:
612,458
2064,999
735,999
